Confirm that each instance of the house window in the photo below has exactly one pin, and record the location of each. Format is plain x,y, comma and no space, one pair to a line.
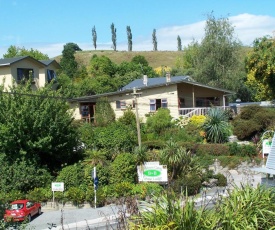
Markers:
50,75
155,104
24,75
120,105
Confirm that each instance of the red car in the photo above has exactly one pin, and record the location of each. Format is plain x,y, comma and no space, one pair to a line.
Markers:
21,210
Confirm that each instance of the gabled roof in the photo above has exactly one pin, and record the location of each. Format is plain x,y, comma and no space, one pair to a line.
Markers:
49,62
9,61
156,81
151,83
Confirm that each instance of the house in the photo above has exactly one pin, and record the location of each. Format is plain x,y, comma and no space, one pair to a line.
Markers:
21,69
180,94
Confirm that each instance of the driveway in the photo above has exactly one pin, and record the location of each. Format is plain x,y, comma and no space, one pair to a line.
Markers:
88,218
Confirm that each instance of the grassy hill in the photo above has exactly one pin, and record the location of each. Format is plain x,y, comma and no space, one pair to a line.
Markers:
155,58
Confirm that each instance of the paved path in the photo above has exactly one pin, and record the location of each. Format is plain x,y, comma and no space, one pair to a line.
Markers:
75,218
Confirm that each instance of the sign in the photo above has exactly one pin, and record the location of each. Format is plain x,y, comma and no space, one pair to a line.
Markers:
266,146
57,186
152,172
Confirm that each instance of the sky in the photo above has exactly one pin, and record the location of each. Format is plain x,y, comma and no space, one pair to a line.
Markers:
48,25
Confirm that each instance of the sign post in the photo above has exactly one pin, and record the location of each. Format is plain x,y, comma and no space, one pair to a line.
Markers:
57,187
95,178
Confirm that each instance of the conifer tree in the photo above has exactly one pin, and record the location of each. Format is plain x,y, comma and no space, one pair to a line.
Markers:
113,29
94,36
129,36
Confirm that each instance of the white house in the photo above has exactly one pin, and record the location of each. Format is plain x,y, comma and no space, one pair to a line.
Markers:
180,94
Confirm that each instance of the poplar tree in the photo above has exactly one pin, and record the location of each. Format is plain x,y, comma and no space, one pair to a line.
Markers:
179,43
154,40
113,29
129,36
94,36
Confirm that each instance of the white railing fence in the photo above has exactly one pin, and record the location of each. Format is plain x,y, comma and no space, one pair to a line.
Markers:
198,110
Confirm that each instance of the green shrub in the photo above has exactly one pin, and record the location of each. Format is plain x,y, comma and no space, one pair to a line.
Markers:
12,195
159,121
213,149
76,195
222,180
145,189
123,169
71,175
190,183
40,194
236,149
116,136
216,126
253,120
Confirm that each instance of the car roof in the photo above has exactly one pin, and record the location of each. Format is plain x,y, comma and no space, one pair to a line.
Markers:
19,201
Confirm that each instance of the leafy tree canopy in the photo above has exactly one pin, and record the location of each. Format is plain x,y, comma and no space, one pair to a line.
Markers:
68,62
102,66
260,68
36,125
215,61
15,51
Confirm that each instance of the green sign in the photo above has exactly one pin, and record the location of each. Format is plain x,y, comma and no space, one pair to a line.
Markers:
152,172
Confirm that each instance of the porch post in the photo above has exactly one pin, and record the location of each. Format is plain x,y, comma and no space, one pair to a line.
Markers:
193,95
223,101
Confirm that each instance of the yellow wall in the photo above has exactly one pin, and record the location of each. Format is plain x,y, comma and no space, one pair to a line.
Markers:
167,92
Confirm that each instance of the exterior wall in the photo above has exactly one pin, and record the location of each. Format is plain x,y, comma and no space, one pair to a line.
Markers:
43,79
166,92
75,110
40,73
5,76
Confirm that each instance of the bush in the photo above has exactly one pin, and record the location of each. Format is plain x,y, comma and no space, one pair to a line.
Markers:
236,149
76,195
116,136
146,189
71,175
190,183
213,149
253,120
222,180
159,121
123,169
40,194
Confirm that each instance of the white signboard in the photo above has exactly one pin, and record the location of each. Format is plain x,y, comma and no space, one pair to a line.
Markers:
152,172
57,186
266,146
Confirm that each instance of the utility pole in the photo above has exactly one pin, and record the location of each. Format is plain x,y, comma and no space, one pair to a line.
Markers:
137,117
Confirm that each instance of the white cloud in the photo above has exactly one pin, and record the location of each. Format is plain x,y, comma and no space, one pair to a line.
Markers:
247,28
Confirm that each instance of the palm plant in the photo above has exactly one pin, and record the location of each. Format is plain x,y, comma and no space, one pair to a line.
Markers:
176,157
216,126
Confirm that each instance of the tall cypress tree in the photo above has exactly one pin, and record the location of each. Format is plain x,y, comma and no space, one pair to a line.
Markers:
129,36
179,43
113,30
154,40
94,36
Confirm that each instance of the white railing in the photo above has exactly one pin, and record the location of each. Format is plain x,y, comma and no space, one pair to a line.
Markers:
197,110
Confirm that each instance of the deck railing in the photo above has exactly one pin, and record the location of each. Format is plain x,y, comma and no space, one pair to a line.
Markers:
198,110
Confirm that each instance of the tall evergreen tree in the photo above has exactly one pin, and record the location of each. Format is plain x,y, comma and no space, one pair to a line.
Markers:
179,43
94,36
113,30
154,40
129,36
68,62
